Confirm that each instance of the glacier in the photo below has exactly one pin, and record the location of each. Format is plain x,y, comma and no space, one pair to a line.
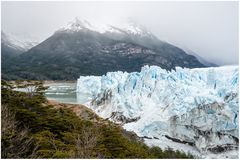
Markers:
192,110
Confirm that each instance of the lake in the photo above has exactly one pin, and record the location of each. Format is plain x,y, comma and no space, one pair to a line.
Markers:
65,92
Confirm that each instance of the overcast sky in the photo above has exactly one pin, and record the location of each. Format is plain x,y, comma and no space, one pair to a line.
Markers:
208,28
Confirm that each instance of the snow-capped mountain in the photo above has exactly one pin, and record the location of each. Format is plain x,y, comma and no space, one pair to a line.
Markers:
83,48
193,110
18,42
12,46
127,27
127,30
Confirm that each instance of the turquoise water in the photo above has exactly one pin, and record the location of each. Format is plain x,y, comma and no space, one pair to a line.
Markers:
65,93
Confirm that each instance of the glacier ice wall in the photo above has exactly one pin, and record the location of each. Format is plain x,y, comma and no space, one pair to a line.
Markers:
195,107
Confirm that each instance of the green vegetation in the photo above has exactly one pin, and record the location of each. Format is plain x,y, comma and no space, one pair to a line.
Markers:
32,128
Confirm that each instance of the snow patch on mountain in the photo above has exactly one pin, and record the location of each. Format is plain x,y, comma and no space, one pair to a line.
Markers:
196,108
126,27
19,42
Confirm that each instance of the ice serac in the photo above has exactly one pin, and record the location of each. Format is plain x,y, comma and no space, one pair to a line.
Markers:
194,110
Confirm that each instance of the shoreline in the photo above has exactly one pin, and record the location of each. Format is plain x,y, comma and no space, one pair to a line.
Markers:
78,109
59,81
48,81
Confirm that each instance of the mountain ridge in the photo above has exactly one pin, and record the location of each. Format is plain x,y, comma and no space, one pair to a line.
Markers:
82,49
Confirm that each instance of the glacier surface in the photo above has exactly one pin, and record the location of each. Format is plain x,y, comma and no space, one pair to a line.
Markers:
193,110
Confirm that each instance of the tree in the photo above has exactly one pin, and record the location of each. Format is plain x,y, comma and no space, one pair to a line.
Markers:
33,88
86,142
15,143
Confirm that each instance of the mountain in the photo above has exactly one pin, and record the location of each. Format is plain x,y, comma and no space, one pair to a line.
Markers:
12,46
83,48
193,110
8,47
201,59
